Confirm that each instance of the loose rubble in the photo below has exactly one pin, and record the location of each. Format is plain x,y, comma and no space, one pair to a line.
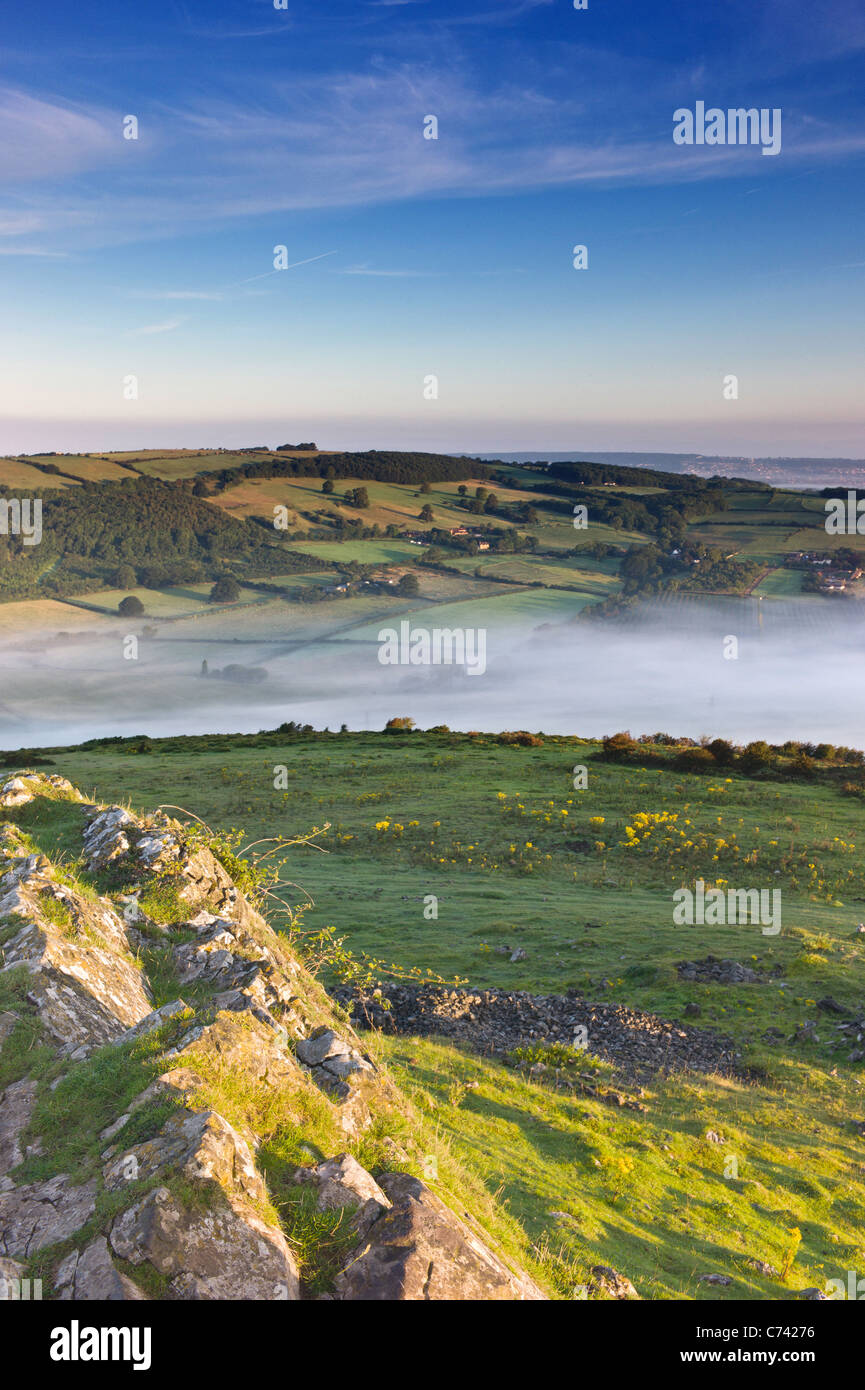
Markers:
495,1021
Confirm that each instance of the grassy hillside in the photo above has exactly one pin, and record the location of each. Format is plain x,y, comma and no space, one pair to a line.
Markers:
200,515
486,828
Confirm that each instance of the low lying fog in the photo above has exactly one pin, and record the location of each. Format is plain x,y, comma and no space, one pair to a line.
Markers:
800,673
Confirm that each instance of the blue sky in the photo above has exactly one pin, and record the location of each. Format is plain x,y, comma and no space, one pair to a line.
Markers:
303,127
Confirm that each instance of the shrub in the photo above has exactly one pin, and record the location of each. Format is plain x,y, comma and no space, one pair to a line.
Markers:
620,746
757,756
722,751
695,760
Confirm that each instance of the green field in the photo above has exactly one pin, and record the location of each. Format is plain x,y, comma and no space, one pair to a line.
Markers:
595,577
484,827
86,469
173,466
520,608
364,552
780,583
14,474
163,603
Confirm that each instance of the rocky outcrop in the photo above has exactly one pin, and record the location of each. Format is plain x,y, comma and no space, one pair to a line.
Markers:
84,979
496,1021
710,970
142,1136
418,1249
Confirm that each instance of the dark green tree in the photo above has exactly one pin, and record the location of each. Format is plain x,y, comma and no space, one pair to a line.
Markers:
225,590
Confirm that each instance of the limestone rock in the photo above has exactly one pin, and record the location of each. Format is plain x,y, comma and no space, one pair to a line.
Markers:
105,838
420,1250
201,1146
84,982
16,1106
342,1182
92,1277
40,1214
185,1202
15,792
610,1282
323,1045
222,1252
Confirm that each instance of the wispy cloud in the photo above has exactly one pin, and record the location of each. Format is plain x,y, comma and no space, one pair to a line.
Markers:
175,294
385,274
149,329
33,251
356,138
42,138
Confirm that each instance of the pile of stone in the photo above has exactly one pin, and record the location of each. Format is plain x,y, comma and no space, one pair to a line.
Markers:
711,970
495,1022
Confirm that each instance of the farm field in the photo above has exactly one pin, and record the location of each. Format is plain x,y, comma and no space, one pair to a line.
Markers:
780,583
372,552
87,470
39,617
163,603
514,609
597,577
561,535
23,475
390,503
485,828
171,466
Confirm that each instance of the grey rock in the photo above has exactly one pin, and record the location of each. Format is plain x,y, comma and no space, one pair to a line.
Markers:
91,1277
322,1045
420,1250
16,1107
609,1281
40,1214
342,1182
223,1252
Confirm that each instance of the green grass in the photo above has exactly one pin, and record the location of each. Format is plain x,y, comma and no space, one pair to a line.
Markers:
483,827
648,1194
780,583
69,1116
594,577
365,552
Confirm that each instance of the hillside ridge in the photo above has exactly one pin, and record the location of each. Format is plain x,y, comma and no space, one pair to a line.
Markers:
184,1113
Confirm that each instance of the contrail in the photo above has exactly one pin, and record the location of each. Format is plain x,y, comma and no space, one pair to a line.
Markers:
294,266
